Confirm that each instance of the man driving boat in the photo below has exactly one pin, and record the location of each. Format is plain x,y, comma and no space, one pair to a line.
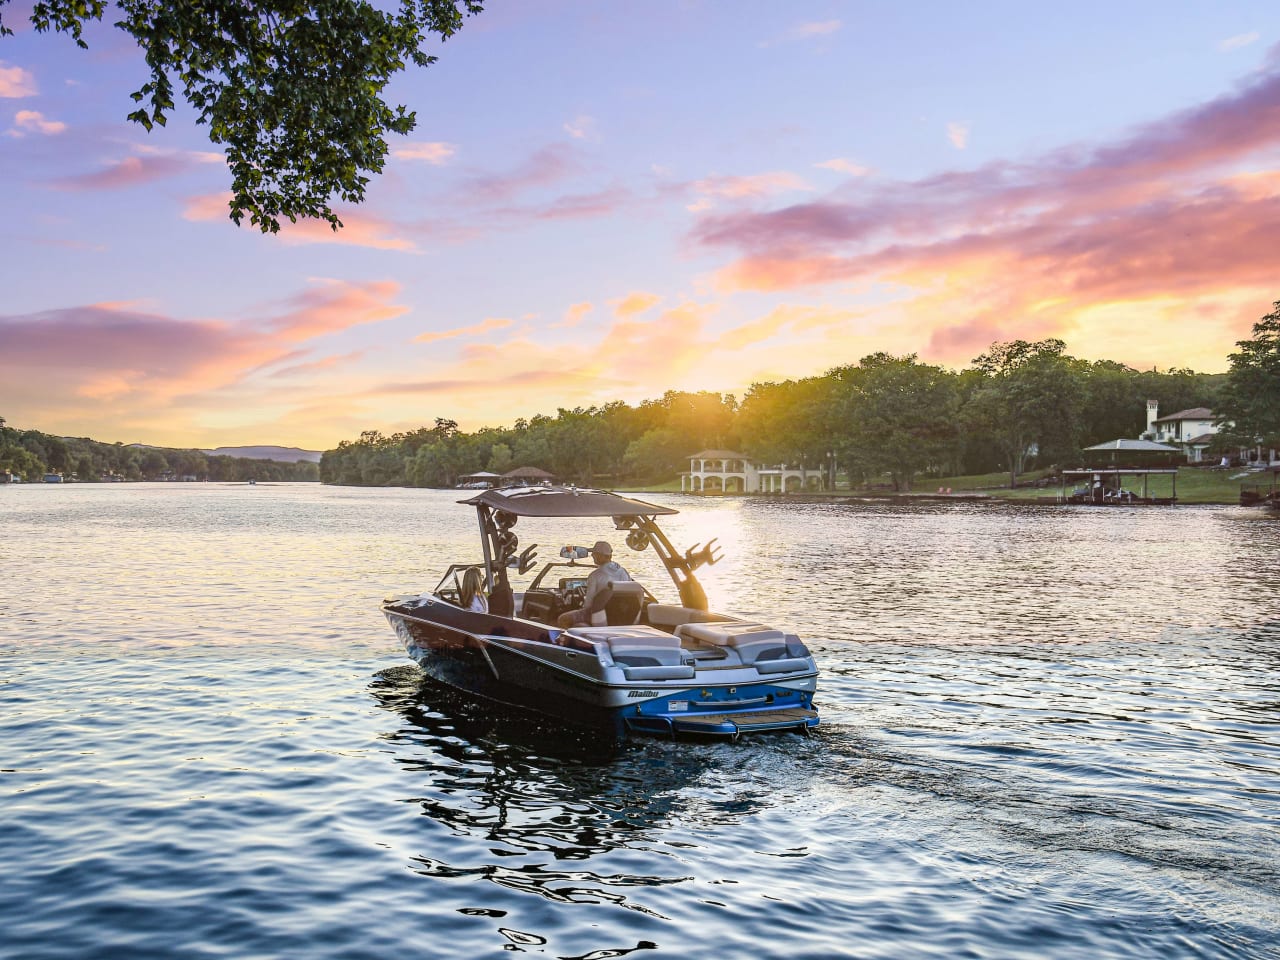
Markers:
607,571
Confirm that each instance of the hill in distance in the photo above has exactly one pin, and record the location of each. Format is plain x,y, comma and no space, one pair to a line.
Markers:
279,454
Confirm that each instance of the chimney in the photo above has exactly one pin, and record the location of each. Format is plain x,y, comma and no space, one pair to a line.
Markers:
1153,411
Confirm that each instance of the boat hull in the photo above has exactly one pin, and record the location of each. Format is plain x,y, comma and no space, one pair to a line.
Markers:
519,663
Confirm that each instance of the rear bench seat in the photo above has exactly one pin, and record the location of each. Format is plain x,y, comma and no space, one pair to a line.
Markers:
767,649
643,652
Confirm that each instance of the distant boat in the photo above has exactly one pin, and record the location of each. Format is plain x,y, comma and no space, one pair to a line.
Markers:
53,478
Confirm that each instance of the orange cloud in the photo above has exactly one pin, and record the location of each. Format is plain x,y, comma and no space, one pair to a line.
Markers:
634,303
155,370
1188,207
574,315
476,329
357,230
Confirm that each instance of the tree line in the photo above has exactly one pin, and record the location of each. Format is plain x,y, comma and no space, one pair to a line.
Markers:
887,419
30,454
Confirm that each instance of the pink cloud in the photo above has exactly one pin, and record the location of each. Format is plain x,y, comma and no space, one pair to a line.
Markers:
436,154
1187,207
359,229
546,166
334,305
129,172
144,362
816,28
755,185
32,121
16,82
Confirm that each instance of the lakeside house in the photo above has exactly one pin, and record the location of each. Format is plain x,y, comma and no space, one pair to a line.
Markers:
728,471
1194,431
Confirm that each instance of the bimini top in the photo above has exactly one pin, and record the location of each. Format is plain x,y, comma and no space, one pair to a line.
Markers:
543,501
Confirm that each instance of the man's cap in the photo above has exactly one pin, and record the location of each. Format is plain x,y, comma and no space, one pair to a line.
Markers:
602,548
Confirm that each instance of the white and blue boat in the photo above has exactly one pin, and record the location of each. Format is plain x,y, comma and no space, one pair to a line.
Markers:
643,666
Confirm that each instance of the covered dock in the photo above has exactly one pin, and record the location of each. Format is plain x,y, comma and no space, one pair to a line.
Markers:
1115,486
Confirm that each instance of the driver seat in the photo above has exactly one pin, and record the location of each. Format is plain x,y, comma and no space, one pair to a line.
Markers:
621,604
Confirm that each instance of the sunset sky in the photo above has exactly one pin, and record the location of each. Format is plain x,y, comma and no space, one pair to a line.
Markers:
607,200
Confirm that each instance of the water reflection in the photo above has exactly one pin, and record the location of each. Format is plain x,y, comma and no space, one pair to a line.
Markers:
539,794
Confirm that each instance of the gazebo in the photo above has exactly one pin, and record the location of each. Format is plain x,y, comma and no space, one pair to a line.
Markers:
530,475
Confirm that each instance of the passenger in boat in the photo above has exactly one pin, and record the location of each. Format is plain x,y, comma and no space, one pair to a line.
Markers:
607,571
471,593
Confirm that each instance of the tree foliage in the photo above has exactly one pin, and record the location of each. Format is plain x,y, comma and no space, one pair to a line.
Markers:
886,420
292,88
900,417
30,454
1250,403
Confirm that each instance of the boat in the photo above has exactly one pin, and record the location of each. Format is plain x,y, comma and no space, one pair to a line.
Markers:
642,666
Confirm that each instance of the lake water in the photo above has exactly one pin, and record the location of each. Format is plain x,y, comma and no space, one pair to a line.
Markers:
1046,732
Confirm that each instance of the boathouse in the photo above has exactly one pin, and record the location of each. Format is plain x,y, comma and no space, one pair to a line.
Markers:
1122,475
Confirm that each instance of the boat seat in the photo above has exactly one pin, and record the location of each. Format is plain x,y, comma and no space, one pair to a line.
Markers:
634,646
668,616
755,643
621,602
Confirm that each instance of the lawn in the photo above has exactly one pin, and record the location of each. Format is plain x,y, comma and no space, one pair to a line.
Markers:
1195,485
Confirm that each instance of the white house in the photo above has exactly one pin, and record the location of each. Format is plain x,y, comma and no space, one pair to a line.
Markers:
1193,430
727,471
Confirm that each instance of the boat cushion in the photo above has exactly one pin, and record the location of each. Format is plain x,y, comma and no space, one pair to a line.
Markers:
752,641
782,665
636,646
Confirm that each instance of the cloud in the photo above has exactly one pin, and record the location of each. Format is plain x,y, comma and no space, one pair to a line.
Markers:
358,229
634,303
195,156
16,82
124,174
580,127
324,364
958,134
546,166
818,28
476,329
1187,207
142,368
841,165
436,154
752,186
31,121
574,315
1238,41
